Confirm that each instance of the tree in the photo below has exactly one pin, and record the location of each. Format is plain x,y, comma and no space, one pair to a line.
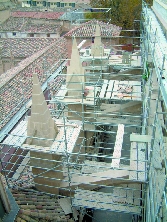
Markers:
123,12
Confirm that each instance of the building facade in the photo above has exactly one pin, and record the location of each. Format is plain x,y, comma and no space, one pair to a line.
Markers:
54,3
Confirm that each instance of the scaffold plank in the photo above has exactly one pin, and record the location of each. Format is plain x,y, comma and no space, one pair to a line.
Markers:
18,135
140,138
65,203
106,177
118,146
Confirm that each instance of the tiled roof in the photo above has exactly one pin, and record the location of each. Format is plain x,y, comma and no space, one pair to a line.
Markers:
13,24
24,47
88,29
22,24
37,206
11,82
41,28
37,15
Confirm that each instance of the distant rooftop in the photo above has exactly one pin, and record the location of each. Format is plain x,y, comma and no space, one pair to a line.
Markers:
37,15
24,24
88,29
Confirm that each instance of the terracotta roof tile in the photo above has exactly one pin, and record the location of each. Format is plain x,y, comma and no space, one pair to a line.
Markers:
88,29
24,47
12,100
21,24
36,206
37,15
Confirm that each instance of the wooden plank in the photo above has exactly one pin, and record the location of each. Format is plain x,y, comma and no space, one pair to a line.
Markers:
103,89
106,177
21,167
20,131
140,138
110,88
65,204
118,146
110,108
81,44
77,101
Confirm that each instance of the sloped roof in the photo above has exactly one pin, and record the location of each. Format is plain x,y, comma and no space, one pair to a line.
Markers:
37,15
88,29
24,47
34,205
22,24
13,24
41,28
37,206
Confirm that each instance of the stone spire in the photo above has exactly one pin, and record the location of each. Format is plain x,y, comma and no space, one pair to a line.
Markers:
75,73
97,48
40,123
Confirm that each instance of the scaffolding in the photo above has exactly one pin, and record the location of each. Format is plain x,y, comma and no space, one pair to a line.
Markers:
110,151
155,107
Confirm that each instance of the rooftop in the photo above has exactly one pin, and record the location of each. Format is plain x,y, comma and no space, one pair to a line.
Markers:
24,24
88,29
24,47
37,15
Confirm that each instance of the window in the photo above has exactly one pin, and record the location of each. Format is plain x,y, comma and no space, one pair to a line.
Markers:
31,35
73,5
62,4
14,33
58,4
48,35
